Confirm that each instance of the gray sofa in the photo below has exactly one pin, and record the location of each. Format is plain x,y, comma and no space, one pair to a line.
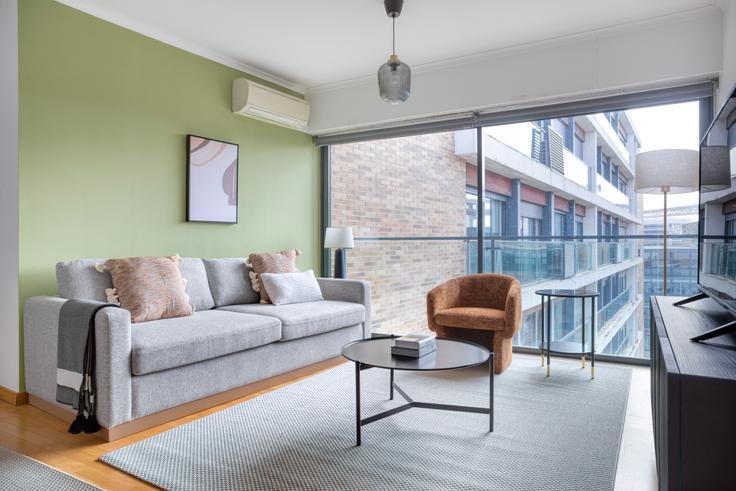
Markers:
230,341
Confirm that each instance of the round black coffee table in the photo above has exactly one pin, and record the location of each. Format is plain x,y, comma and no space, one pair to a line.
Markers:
450,354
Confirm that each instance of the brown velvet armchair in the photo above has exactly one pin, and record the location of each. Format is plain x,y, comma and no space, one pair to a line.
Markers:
484,308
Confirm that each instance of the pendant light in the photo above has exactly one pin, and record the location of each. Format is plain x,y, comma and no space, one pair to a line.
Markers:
394,77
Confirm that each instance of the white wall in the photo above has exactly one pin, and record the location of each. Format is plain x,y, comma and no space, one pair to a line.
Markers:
728,77
675,49
9,335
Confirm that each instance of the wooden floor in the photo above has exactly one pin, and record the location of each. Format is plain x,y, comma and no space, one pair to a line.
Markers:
43,437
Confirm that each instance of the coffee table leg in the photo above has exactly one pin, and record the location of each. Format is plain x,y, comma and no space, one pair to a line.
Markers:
391,391
357,403
490,394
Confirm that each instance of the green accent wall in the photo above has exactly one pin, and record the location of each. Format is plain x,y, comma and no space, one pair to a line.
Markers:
104,114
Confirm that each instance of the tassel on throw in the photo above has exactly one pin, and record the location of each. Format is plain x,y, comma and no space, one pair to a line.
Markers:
78,425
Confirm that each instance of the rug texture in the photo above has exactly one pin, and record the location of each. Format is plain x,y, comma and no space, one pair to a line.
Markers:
561,433
21,473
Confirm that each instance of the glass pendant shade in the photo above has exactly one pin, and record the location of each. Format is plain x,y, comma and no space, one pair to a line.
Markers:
394,81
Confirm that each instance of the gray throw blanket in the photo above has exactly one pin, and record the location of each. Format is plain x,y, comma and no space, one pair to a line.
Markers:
75,366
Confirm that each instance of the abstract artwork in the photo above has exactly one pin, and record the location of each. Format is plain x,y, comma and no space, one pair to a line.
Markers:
212,180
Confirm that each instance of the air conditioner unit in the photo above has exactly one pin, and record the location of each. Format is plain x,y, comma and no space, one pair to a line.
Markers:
260,102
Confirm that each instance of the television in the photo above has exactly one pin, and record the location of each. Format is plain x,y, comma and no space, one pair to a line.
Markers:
717,216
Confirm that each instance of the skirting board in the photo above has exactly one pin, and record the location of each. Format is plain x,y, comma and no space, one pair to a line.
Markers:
156,419
13,397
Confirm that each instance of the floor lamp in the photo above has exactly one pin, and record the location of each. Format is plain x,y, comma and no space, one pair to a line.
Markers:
666,172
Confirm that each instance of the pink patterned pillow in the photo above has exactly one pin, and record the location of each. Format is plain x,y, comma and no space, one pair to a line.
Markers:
151,288
271,262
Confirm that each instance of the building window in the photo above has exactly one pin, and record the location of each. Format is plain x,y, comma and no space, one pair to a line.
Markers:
622,134
614,175
493,214
559,229
622,183
579,229
606,167
531,227
578,142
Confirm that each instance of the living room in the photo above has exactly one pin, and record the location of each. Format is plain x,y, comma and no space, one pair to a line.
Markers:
229,230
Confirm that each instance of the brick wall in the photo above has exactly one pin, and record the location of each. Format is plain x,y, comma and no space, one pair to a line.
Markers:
403,187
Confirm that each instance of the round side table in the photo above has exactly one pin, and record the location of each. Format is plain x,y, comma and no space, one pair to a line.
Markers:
568,347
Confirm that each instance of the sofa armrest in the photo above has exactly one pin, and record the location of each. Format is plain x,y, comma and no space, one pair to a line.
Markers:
356,291
113,372
113,375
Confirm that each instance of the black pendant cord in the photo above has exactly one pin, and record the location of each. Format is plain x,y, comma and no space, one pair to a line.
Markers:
393,35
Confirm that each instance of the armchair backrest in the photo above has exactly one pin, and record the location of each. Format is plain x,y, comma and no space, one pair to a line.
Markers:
489,290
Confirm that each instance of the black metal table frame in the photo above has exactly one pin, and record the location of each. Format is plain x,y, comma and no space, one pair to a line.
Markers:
410,403
548,318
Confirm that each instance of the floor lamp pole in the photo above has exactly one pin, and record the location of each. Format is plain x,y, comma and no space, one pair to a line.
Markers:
665,190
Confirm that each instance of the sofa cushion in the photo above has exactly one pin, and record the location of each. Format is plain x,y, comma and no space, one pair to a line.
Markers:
79,279
230,281
198,286
471,318
300,320
170,343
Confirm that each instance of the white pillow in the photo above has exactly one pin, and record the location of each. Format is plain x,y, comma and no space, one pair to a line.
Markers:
286,288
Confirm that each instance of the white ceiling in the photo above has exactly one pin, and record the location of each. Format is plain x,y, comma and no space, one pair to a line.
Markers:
308,43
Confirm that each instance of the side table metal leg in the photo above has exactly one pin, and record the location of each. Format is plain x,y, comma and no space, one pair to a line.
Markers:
592,342
549,333
490,394
583,332
541,345
391,391
357,403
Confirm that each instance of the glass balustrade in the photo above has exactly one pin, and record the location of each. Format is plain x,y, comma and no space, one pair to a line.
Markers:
613,307
720,260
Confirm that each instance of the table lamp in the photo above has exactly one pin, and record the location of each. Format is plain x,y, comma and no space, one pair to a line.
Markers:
666,172
340,239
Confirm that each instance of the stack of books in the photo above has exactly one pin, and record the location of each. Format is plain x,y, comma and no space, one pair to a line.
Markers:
414,345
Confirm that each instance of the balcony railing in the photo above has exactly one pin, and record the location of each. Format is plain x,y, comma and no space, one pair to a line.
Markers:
616,252
532,260
613,307
720,260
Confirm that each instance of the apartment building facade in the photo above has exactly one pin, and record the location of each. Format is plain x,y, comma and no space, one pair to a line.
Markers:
558,206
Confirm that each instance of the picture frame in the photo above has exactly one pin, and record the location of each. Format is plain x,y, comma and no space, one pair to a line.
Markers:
212,180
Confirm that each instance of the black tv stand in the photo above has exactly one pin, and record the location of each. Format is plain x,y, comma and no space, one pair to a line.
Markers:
726,328
693,397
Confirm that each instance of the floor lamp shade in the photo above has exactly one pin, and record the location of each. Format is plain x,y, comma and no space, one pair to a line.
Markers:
340,239
671,171
666,172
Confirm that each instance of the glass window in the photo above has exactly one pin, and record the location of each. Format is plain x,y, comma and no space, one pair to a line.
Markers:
579,141
606,167
559,228
497,216
531,227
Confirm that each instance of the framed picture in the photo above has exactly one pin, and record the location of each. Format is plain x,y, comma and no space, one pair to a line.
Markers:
212,180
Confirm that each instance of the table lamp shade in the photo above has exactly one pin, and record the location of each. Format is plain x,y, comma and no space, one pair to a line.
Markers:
715,168
339,238
674,171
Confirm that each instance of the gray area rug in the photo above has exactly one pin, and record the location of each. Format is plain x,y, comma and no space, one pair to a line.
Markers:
20,473
561,433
